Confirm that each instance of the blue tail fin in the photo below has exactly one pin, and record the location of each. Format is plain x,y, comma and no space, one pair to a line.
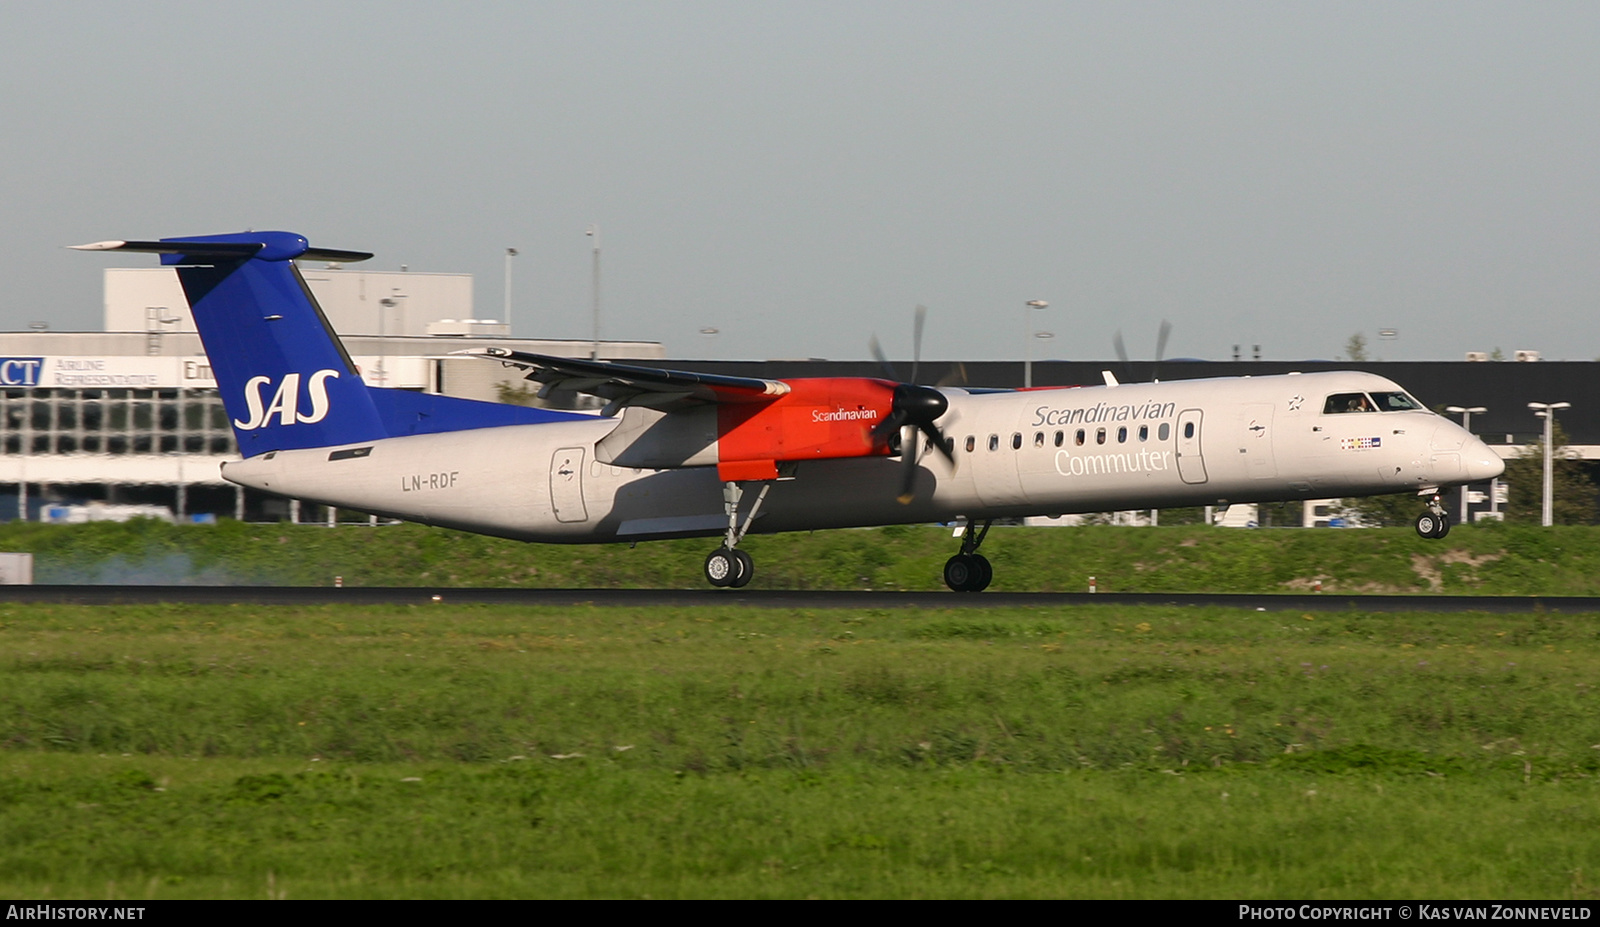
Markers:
286,380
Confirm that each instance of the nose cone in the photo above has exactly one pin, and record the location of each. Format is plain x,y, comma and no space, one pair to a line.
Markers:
1459,457
1480,462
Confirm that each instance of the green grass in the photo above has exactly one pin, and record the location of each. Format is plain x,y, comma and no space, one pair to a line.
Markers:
1488,560
451,751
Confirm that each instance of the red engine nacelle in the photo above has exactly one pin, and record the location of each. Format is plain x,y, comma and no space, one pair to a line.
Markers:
817,419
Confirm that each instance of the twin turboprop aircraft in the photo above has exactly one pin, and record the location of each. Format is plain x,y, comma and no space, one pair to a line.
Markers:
677,454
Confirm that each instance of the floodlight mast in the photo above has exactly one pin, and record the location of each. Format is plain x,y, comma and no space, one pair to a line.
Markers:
1027,345
1547,411
1466,425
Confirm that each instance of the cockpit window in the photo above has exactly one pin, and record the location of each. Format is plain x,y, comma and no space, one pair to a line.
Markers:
1376,402
1396,402
1348,402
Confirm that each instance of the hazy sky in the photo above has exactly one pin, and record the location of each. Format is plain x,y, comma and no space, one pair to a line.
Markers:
801,174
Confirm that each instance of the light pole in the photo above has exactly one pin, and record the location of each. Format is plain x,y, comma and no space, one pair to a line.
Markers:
710,333
1027,361
384,305
594,232
1547,411
510,253
1466,424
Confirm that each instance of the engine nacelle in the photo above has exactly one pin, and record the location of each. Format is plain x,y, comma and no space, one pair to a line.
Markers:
818,419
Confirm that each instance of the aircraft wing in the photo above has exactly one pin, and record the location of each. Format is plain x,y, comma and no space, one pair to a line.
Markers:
626,385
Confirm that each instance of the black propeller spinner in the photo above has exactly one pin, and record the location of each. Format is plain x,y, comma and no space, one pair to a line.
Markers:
914,408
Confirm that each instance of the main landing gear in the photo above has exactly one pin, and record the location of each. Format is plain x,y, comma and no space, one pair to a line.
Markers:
969,571
728,566
1435,522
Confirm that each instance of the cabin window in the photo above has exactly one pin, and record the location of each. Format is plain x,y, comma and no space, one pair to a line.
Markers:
1016,441
1078,438
1099,436
1122,435
1144,433
1038,439
1061,436
994,442
1188,429
1347,402
950,447
971,443
1164,432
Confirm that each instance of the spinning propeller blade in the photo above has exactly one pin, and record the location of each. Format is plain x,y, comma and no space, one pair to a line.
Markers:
914,408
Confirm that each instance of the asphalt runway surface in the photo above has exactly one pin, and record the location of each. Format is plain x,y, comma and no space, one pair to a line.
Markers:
721,598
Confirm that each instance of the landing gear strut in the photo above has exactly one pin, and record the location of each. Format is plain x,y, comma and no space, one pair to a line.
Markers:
728,566
1435,522
969,571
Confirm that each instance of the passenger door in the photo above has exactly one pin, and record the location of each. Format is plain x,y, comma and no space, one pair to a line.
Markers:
1191,465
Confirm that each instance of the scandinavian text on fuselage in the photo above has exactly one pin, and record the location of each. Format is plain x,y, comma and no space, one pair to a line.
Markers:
1102,412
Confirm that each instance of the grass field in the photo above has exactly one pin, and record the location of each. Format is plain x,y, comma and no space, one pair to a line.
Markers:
1474,560
451,751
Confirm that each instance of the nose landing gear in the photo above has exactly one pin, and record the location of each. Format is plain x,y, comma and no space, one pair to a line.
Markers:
1435,522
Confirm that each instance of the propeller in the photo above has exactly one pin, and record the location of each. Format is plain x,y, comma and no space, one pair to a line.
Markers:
1161,349
955,376
913,409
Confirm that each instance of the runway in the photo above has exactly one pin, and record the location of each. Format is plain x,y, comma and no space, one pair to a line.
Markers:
721,598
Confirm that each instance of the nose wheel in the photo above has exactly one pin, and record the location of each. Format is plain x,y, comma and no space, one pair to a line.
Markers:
1435,522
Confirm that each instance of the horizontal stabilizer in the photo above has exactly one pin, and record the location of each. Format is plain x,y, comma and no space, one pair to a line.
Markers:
216,249
277,245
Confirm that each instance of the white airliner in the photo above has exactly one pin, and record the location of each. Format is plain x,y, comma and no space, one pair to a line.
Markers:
677,454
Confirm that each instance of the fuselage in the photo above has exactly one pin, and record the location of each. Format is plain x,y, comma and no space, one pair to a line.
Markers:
1017,453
